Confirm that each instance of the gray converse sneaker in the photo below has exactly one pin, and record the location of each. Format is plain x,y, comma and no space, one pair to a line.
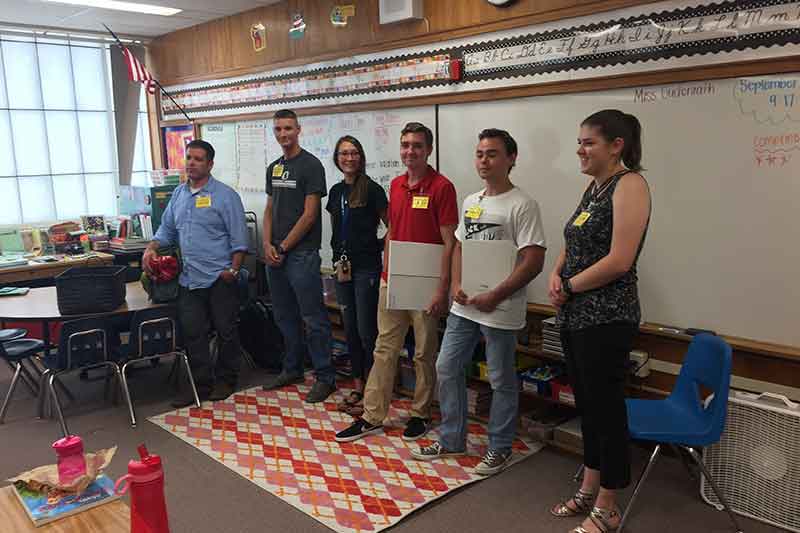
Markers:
434,451
493,462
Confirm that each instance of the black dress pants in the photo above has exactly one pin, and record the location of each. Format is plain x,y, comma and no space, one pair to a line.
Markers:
597,361
198,311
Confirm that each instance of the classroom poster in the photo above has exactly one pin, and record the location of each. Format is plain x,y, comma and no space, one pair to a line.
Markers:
175,140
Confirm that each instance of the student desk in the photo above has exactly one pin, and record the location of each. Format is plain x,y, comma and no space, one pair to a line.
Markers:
41,305
49,270
113,517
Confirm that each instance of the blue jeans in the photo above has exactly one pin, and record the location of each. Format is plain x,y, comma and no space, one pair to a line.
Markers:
296,290
458,345
359,302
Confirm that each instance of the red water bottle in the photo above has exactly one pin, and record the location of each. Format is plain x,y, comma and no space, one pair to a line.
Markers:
71,462
146,481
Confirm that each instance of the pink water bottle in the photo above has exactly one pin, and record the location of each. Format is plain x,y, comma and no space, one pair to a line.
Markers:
146,481
71,462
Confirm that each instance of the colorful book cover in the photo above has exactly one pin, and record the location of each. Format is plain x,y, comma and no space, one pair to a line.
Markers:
45,507
175,140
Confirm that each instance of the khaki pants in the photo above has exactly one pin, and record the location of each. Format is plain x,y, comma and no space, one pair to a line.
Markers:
392,328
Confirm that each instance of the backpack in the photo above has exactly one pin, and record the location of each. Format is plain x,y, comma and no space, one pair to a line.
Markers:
259,335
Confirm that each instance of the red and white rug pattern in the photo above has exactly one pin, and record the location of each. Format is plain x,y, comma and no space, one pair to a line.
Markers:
287,447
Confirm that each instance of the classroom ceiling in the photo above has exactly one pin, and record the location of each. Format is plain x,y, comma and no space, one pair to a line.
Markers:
71,17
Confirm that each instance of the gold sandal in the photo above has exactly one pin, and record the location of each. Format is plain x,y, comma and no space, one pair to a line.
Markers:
582,500
601,518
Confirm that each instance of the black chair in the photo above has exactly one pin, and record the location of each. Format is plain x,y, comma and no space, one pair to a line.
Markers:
14,352
153,335
84,345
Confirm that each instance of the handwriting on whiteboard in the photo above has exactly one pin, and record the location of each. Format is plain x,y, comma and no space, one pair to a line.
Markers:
769,99
646,95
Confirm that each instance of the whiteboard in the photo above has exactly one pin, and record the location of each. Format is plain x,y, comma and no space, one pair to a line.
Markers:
378,132
723,162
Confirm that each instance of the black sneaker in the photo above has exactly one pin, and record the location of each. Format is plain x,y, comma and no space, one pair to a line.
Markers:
281,380
221,391
434,451
319,392
493,462
360,428
415,428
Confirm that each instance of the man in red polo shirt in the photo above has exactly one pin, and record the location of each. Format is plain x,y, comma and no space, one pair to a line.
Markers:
422,208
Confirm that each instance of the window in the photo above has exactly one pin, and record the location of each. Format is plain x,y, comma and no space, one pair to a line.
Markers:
141,156
58,155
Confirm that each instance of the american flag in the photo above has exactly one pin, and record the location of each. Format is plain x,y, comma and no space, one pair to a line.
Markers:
137,72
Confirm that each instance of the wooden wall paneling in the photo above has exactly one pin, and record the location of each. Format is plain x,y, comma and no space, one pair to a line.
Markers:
766,368
201,51
275,18
222,41
445,19
241,53
445,16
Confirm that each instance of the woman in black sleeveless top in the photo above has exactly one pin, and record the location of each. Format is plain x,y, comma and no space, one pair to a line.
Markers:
593,286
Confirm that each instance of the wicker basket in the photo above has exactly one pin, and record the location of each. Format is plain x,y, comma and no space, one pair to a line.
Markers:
86,290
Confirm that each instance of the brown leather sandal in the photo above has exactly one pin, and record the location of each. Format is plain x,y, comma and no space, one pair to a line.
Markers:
601,518
581,500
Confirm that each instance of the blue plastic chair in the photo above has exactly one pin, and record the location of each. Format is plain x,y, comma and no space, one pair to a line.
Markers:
153,335
15,352
85,344
684,420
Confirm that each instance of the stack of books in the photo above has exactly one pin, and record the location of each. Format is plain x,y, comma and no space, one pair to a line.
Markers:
551,338
133,233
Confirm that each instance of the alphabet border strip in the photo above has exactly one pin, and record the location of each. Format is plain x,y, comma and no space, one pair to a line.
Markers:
711,33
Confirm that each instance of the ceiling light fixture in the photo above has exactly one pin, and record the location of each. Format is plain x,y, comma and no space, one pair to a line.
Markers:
147,9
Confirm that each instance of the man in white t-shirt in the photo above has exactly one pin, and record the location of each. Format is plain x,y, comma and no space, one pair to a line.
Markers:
501,211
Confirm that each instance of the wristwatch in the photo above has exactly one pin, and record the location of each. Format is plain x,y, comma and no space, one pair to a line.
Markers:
234,272
566,286
282,250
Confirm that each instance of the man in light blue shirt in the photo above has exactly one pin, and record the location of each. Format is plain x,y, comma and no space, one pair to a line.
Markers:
206,219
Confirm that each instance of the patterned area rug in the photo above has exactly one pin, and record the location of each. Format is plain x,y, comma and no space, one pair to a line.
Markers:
287,447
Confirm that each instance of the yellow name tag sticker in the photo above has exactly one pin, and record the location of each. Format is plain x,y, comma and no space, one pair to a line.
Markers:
420,202
202,201
474,212
581,219
277,171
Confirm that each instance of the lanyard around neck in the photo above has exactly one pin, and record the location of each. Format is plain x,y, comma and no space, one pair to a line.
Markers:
345,218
